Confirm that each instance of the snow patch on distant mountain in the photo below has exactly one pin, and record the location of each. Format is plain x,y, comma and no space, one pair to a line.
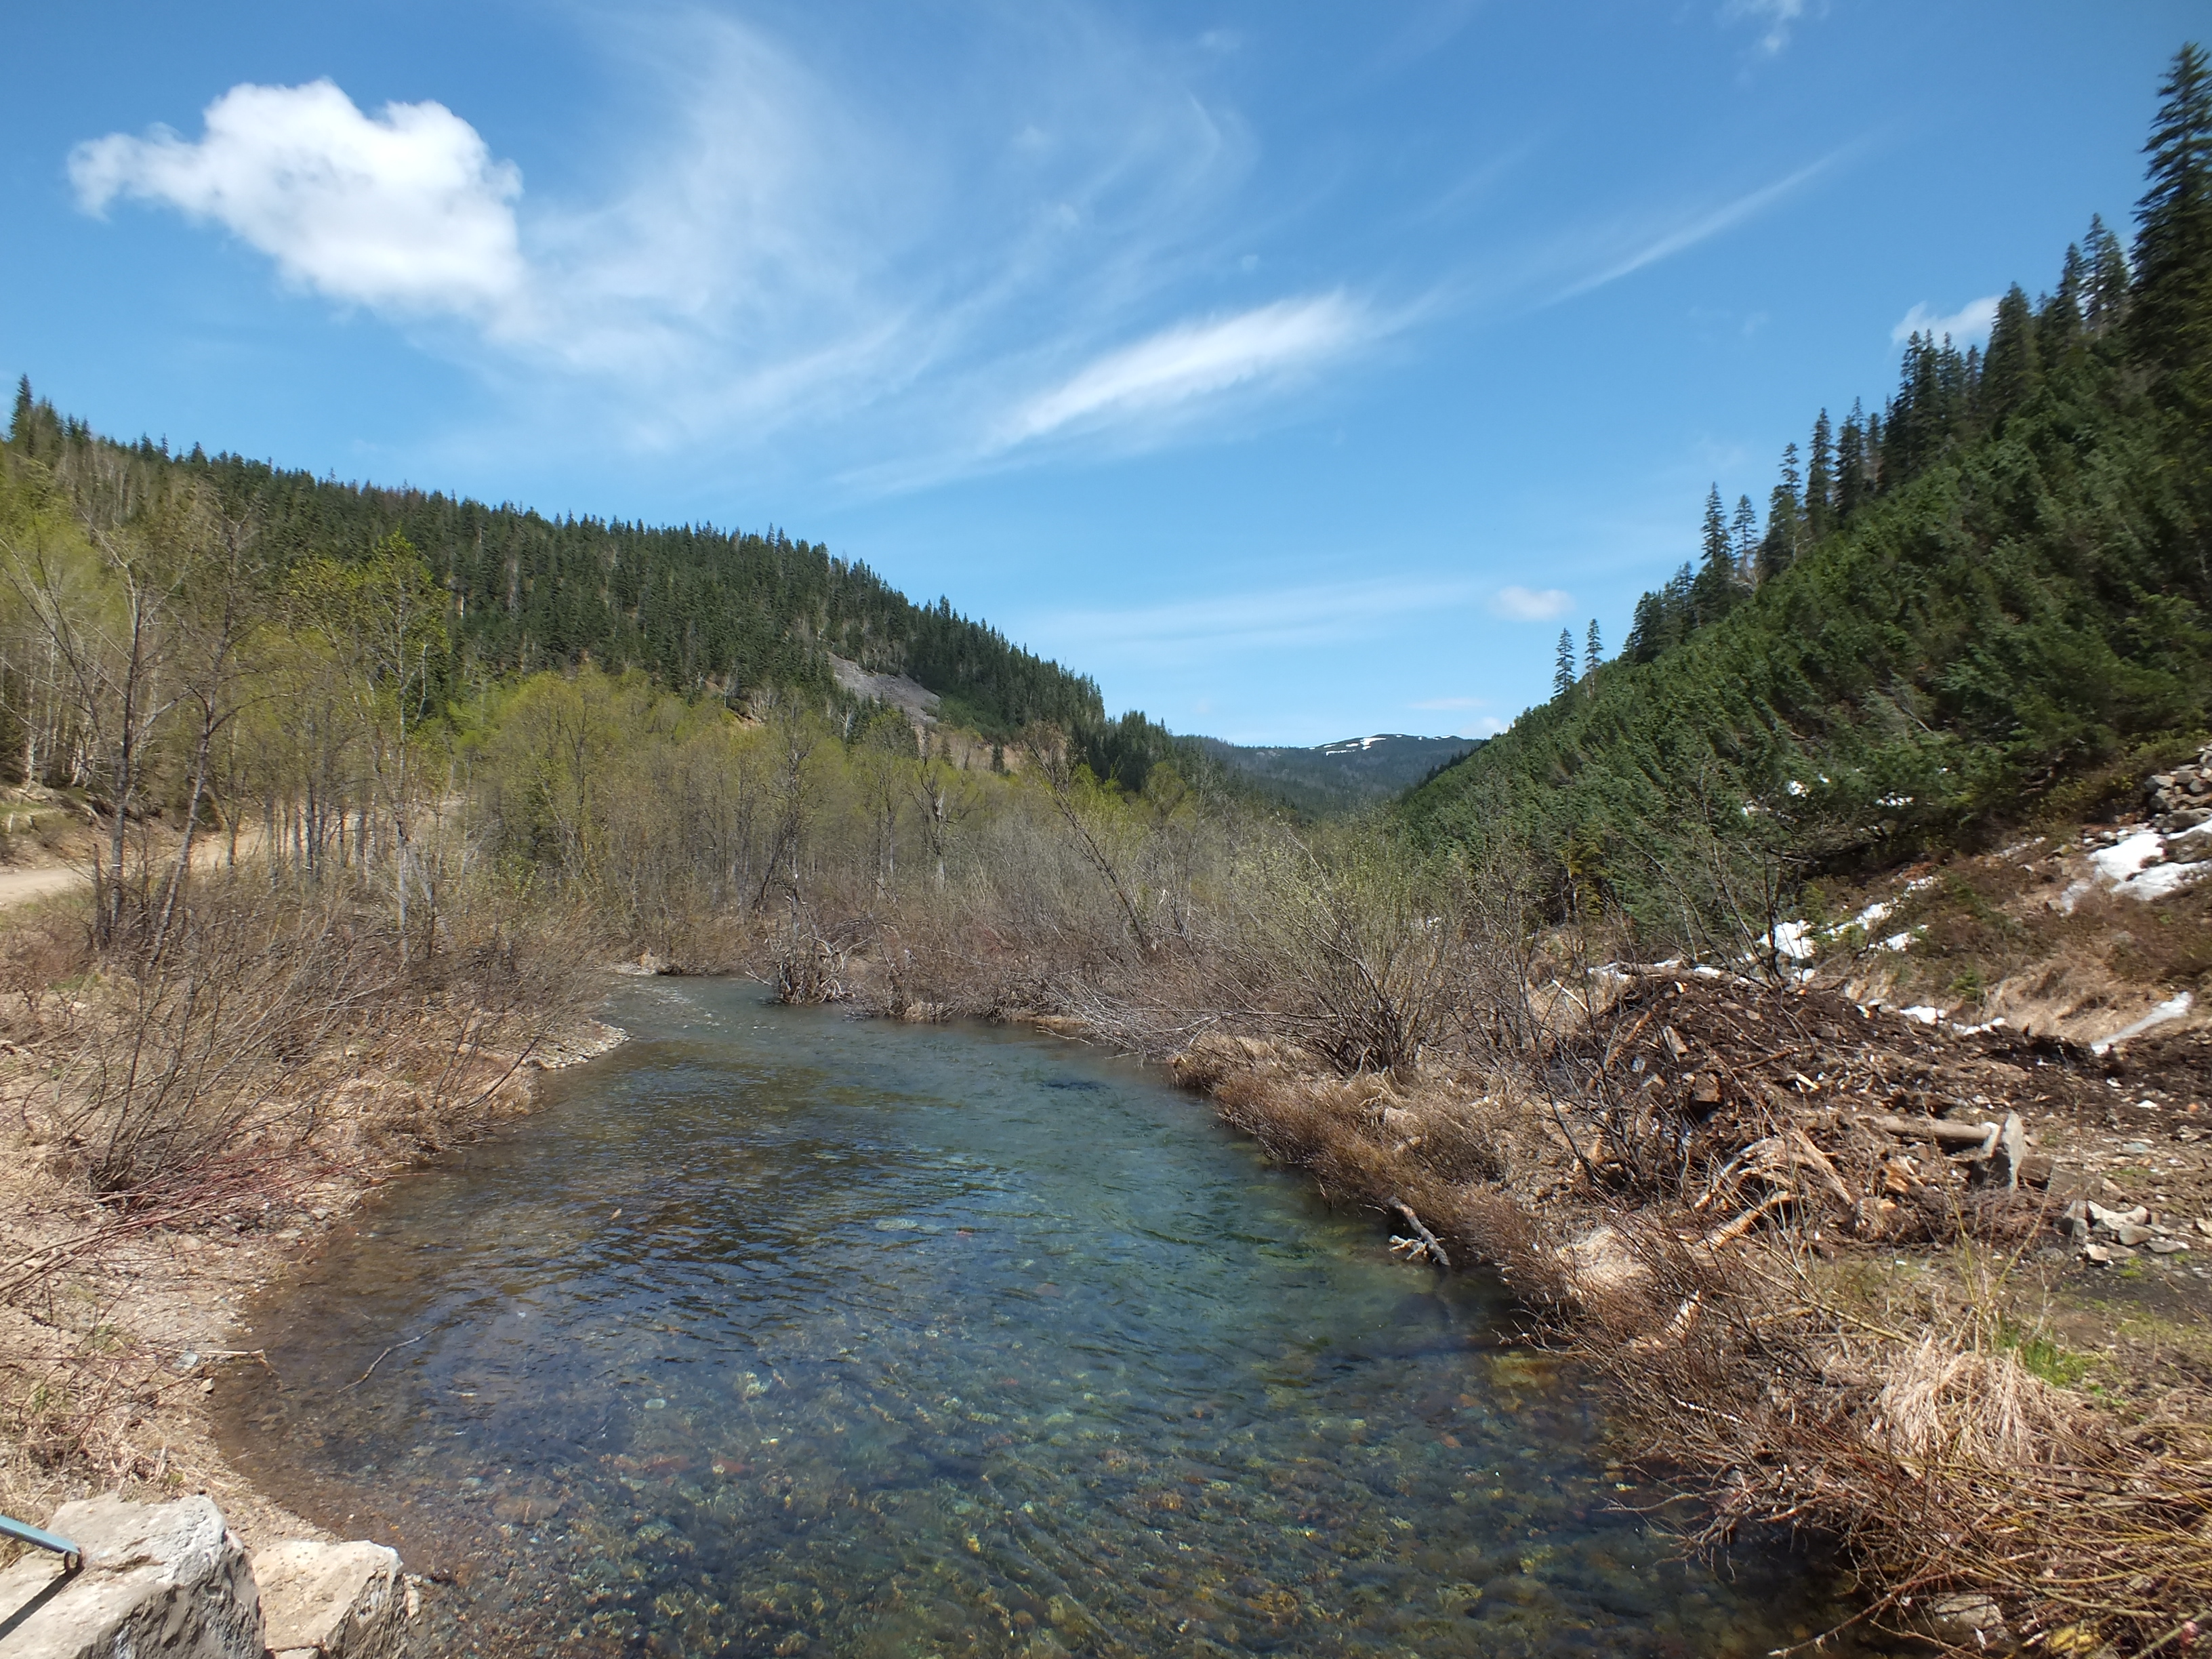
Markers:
1345,776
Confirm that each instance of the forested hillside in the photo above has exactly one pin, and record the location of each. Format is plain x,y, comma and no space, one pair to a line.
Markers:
1990,593
1340,777
703,609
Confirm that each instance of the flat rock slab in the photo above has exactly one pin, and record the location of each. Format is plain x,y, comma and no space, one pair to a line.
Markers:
331,1601
157,1579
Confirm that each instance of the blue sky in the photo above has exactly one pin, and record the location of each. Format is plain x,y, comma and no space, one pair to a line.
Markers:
1298,371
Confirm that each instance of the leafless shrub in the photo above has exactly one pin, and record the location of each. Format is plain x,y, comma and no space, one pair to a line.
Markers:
811,959
258,1017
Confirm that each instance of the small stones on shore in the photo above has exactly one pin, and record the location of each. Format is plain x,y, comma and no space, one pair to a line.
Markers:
2182,798
2109,1236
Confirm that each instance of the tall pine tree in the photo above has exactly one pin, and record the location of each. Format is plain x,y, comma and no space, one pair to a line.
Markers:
2110,280
1821,481
1716,586
1852,484
2171,321
1784,521
1743,537
1563,671
2013,368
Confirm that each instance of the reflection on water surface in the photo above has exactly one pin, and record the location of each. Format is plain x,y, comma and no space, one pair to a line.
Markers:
779,1333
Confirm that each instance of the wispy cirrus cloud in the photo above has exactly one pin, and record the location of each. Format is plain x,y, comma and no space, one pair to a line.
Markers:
1531,605
790,248
1776,19
1197,360
1316,613
1703,226
1970,323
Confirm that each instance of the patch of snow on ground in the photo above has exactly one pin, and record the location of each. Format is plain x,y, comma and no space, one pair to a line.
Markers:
1922,1012
1792,940
1896,942
2161,879
2116,863
2172,1008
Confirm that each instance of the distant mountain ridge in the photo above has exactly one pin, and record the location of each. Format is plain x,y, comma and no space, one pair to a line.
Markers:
1345,776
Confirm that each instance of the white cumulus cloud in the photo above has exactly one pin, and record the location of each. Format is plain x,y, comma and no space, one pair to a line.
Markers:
406,210
1195,360
1531,605
1969,324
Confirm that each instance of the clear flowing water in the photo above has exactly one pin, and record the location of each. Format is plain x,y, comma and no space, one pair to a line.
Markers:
775,1333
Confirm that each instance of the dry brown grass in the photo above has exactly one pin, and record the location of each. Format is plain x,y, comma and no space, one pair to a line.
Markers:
1675,1201
1931,1452
281,1053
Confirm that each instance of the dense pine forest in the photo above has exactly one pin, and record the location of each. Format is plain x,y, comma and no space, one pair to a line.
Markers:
1991,595
703,610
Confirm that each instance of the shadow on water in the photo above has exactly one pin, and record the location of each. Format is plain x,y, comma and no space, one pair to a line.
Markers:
779,1333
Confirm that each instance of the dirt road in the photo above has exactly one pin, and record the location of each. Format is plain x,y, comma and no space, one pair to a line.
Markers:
21,886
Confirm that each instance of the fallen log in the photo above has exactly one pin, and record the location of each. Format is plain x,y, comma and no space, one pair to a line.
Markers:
1933,1129
1434,1250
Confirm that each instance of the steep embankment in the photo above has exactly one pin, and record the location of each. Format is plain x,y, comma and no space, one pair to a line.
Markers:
1989,599
2014,618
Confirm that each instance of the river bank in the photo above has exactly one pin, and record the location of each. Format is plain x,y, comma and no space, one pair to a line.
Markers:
777,1330
123,1330
1934,1293
1856,1328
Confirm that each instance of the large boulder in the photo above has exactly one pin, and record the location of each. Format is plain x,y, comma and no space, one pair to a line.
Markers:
157,1579
332,1601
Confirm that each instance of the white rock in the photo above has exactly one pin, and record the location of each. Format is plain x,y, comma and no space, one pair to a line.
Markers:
335,1601
159,1579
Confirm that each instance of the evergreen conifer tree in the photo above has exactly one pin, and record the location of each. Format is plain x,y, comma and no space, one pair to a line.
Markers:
1562,673
1821,481
2170,319
1647,630
1851,484
1715,541
2013,368
1778,551
2060,320
2109,280
1743,537
1716,583
1593,649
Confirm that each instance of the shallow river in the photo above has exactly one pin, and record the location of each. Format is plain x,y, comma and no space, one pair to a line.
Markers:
775,1333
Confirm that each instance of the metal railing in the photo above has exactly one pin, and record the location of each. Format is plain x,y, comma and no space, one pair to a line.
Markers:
72,1557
